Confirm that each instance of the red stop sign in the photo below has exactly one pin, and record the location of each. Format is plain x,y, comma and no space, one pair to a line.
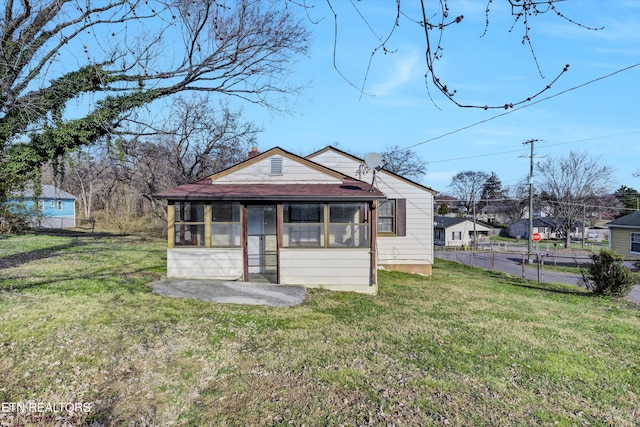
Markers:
536,237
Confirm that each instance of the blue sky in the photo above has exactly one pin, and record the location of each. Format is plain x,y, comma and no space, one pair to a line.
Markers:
602,118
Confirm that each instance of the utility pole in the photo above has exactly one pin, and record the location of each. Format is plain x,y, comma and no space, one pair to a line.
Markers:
531,142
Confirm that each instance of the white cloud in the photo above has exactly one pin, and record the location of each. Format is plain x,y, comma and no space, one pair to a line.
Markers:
402,71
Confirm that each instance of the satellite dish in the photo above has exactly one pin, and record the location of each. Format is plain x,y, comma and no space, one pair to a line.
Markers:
374,161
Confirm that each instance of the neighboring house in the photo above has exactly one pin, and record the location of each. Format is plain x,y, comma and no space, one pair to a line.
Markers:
285,219
456,232
549,228
56,207
624,235
493,214
405,219
448,201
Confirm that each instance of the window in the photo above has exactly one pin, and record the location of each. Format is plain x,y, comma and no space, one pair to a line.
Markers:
456,235
225,224
386,216
303,224
348,225
52,204
332,225
60,205
635,242
41,205
392,217
189,224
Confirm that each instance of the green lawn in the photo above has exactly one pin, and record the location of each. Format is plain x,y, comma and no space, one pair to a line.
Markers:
462,348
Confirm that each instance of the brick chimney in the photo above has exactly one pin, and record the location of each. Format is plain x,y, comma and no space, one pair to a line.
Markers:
254,152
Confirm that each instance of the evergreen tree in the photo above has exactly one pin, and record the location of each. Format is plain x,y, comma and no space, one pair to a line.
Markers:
629,197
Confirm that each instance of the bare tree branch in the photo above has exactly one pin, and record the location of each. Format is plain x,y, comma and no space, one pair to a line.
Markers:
433,25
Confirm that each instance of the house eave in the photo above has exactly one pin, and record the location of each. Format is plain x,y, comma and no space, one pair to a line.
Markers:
635,227
284,198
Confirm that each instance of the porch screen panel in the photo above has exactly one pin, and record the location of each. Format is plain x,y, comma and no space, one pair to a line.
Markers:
348,226
303,224
189,224
225,224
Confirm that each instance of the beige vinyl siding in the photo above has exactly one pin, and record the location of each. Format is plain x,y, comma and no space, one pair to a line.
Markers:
621,241
417,246
223,264
293,172
331,268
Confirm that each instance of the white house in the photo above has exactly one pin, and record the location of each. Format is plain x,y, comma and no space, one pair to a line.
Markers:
456,232
285,219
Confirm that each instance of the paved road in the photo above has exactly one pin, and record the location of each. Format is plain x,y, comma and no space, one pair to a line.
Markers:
511,262
508,262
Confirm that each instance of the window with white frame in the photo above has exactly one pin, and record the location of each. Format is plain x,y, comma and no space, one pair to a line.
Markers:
635,243
456,235
52,203
392,217
60,205
387,216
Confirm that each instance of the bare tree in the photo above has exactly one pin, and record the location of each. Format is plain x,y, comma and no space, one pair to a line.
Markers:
516,202
570,183
467,187
126,54
405,163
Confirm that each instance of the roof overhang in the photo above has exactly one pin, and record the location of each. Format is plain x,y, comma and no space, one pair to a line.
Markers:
347,191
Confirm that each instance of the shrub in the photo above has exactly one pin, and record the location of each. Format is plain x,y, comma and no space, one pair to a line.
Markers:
607,275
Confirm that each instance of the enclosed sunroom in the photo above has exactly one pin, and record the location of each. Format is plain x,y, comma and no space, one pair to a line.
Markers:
286,231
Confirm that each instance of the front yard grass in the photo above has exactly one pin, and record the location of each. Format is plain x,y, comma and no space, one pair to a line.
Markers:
464,347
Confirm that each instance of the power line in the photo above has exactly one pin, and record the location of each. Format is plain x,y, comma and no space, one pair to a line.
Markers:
524,106
526,149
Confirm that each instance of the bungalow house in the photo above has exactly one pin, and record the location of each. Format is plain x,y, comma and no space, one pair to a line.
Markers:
456,231
624,236
285,219
55,207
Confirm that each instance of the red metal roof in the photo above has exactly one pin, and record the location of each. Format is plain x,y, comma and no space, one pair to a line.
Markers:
348,190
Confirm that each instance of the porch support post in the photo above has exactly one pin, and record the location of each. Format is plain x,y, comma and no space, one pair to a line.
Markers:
171,217
279,218
207,225
373,224
243,238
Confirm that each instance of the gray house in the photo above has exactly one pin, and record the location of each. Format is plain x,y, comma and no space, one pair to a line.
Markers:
549,228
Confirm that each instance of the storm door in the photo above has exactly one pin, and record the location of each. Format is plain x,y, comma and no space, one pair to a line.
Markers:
262,243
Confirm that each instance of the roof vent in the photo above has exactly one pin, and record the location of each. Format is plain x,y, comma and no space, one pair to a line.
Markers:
276,165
